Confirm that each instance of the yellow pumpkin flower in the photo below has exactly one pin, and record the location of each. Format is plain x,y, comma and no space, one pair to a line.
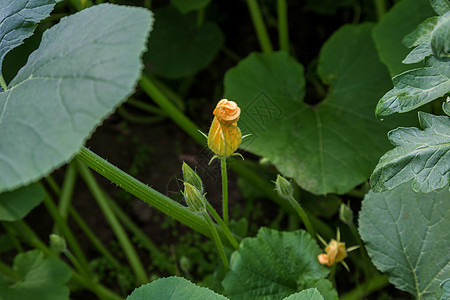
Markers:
335,252
224,136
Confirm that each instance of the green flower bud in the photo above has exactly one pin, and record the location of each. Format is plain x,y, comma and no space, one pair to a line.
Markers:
57,243
345,214
190,176
194,198
283,187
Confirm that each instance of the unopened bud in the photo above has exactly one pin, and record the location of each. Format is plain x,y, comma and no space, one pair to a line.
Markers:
191,177
345,214
283,187
194,198
57,243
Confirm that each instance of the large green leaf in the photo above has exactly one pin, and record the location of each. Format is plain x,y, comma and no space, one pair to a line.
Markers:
408,238
388,34
17,204
178,47
18,19
416,87
173,288
40,277
274,265
329,148
308,294
85,66
422,156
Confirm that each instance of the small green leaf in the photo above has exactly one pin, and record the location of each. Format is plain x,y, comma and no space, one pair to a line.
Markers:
274,265
440,38
86,65
407,236
18,20
309,294
422,156
173,288
440,6
185,6
388,34
416,87
178,48
333,146
17,204
40,277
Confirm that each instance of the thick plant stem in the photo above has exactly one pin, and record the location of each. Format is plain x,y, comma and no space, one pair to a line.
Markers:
122,237
222,225
223,167
302,214
283,29
67,233
217,240
260,28
144,192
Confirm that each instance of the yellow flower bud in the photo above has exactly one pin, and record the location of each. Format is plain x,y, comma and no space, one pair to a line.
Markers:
224,136
335,252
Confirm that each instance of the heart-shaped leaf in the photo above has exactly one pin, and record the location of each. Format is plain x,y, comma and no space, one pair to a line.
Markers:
274,265
17,204
422,156
173,288
85,66
407,236
329,148
18,19
39,278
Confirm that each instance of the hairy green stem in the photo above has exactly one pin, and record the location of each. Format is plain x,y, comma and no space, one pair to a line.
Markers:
122,237
222,225
223,167
66,232
144,192
260,28
217,240
65,194
283,29
302,214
